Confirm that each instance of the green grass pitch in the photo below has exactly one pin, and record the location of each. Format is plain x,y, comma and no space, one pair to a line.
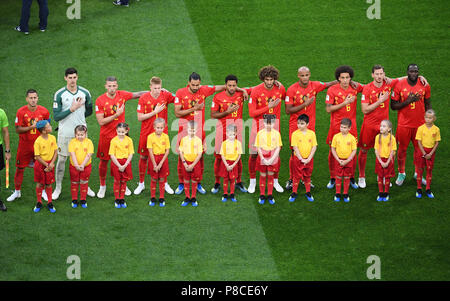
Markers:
323,240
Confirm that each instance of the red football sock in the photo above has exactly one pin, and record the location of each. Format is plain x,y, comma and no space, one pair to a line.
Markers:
123,187
225,185
331,161
307,181
152,188
338,185
295,183
162,188
18,178
48,191
291,160
83,191
401,159
428,178
181,171
142,169
262,185
419,172
252,166
232,186
102,170
270,184
216,169
362,160
239,167
380,184
194,189
74,191
39,193
387,183
116,188
346,184
186,189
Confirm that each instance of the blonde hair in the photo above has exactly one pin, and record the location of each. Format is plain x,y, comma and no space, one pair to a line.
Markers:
389,124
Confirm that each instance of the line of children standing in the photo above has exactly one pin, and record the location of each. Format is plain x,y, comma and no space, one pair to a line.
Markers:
268,144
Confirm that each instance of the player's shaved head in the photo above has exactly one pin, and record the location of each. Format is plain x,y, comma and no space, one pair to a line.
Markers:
412,66
303,69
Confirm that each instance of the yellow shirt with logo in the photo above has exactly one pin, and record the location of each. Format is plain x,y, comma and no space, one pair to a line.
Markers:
81,149
304,141
159,145
231,149
387,145
121,149
344,145
45,148
268,140
428,136
191,147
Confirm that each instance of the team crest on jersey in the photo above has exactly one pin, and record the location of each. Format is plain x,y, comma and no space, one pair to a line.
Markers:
114,108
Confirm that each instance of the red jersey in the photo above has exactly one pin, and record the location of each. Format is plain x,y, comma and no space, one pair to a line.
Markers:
25,118
187,100
296,96
221,101
147,104
260,99
370,95
411,116
337,95
108,107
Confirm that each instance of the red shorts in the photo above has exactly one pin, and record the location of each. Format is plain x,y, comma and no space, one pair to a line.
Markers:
41,176
123,176
275,167
367,135
163,172
25,155
388,172
344,171
406,135
421,162
224,173
103,147
300,170
77,176
195,174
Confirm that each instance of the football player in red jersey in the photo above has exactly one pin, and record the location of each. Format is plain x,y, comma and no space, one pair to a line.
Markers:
110,111
26,119
227,108
151,105
341,103
411,98
190,105
265,98
301,99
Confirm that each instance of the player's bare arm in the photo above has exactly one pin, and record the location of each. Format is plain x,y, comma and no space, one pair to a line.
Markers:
102,120
231,108
145,116
179,112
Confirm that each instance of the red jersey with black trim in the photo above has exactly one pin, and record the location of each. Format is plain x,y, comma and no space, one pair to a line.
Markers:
26,118
412,115
296,95
108,107
370,94
336,95
260,99
147,104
